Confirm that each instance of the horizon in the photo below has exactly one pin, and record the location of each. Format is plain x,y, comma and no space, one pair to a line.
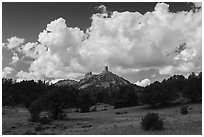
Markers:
66,43
142,83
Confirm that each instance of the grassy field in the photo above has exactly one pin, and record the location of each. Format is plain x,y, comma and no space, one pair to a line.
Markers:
106,121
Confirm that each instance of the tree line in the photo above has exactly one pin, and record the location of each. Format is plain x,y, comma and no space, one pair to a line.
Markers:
39,96
175,88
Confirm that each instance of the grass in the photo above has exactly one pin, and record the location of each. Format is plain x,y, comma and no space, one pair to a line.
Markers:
108,122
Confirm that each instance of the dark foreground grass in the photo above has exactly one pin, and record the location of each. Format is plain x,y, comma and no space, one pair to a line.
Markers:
15,121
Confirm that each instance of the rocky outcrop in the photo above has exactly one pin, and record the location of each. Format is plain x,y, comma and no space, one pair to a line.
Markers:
88,75
105,79
66,82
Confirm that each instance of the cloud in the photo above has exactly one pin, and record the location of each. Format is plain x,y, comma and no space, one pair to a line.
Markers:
102,8
28,76
180,69
198,4
15,59
53,81
143,83
6,71
125,41
131,40
14,42
33,50
3,45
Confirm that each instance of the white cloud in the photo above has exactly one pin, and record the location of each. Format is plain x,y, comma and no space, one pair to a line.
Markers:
33,50
102,8
6,71
143,83
153,75
53,81
3,45
198,4
182,68
125,41
15,59
14,42
28,76
62,59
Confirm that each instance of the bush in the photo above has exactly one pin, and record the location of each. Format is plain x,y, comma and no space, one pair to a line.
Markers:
39,127
54,101
184,109
85,102
93,109
151,121
158,94
85,109
35,110
62,116
77,110
16,93
193,88
45,117
126,96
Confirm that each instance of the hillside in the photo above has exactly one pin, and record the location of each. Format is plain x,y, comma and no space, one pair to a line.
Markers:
66,82
105,79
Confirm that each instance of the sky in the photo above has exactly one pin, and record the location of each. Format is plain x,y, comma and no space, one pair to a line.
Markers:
142,42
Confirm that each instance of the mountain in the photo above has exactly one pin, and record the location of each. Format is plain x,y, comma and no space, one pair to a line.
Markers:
66,82
105,79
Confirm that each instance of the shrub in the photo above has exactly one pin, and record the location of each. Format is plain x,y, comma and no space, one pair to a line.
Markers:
93,109
77,110
193,88
158,94
61,116
39,127
126,96
118,113
85,109
184,109
35,110
16,93
151,121
54,101
119,104
45,117
85,102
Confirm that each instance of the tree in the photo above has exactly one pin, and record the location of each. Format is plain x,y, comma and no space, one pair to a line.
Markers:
126,96
157,94
22,93
85,102
55,101
193,88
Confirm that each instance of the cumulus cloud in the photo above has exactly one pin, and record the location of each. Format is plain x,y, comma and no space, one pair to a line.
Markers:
33,50
102,8
3,45
198,4
6,71
15,59
14,42
143,83
28,76
125,41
